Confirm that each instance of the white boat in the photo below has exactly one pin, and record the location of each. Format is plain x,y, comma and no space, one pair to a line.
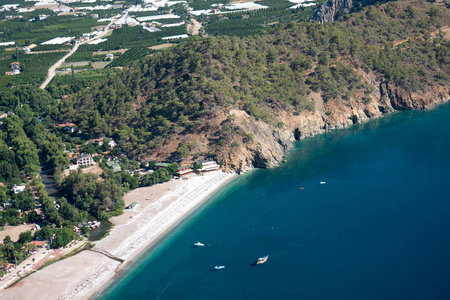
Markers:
262,260
322,182
198,244
219,267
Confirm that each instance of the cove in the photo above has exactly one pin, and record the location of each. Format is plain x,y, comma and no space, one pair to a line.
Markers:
378,229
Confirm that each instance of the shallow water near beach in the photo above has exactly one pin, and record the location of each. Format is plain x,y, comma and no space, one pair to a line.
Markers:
379,228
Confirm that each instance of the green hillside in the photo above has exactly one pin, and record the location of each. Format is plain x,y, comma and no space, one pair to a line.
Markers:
174,91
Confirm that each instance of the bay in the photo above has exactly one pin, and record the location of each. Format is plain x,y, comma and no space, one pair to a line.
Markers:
378,229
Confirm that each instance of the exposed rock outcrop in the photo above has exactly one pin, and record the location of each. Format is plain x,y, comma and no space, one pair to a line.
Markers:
331,10
270,143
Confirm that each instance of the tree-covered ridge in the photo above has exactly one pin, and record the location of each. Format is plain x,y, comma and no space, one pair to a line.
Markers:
177,90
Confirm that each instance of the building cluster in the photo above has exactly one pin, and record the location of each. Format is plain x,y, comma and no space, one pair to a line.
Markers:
188,167
85,159
90,225
15,69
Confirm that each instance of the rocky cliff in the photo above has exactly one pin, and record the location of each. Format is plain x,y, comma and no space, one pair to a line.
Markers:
270,143
245,101
331,10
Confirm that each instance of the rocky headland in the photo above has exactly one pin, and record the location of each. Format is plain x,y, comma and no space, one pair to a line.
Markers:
270,143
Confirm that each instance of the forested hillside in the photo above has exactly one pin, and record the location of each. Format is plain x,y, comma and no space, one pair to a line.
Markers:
195,93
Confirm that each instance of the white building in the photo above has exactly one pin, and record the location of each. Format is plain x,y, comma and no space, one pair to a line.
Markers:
7,44
174,37
73,167
18,188
208,165
112,144
85,160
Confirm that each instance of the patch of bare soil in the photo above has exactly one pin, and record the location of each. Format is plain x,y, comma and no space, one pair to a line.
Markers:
93,169
162,46
194,28
15,231
121,51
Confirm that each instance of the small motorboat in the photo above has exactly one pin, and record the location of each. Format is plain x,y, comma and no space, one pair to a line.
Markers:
322,182
262,260
219,267
198,244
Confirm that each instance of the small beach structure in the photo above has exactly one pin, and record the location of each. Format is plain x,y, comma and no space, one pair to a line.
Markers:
184,171
38,244
208,165
161,165
133,205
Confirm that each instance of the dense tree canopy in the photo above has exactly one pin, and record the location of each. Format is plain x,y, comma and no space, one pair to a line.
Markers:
174,91
98,197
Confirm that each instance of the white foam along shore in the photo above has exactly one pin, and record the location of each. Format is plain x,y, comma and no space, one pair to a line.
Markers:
159,209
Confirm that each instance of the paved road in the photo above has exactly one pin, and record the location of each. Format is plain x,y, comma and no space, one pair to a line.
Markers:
52,69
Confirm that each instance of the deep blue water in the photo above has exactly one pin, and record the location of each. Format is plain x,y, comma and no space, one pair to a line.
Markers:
378,229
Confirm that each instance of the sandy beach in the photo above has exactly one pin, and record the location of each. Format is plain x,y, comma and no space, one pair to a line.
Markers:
158,209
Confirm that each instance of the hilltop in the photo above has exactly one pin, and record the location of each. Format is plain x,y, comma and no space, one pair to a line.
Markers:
244,100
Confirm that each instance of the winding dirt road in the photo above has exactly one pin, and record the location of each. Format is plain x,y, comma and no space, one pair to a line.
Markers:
52,69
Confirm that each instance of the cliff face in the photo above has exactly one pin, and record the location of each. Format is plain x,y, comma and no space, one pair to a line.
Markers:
331,10
270,143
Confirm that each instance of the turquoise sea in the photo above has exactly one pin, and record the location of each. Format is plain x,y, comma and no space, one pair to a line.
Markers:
378,229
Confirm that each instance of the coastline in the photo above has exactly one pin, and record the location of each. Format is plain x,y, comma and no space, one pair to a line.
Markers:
160,208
